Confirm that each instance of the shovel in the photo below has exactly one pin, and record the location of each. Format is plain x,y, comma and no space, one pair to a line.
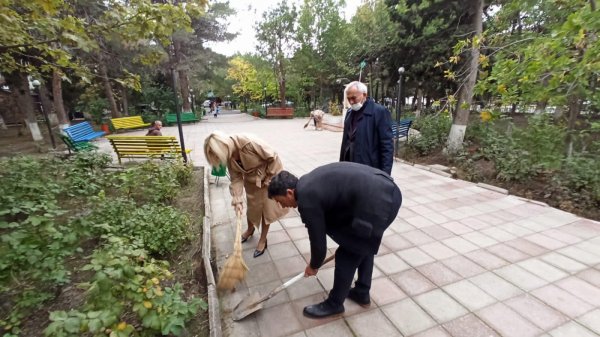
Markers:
255,302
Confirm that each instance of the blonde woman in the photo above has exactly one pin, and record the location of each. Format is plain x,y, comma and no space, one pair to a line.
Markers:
251,164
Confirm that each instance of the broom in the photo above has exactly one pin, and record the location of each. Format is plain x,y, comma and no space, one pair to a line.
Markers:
235,268
310,119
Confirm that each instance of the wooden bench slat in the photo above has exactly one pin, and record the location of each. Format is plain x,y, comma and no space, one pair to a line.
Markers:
131,122
185,117
401,128
82,132
145,146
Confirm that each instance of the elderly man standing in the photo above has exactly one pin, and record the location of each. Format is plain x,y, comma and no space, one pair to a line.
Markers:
367,137
353,204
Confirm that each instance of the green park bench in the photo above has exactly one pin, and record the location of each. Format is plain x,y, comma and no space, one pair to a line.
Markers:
185,118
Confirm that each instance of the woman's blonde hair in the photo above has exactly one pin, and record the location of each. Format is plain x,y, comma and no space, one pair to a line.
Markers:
216,148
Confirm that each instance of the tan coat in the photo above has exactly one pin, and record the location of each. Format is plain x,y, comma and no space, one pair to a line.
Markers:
259,163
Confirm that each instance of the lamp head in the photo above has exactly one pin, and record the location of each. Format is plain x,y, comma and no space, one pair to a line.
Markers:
401,70
36,83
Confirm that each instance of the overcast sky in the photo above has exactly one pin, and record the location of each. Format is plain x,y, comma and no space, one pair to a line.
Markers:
250,11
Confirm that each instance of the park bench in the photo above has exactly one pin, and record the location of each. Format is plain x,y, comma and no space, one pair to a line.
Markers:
82,132
77,147
401,128
185,117
131,122
146,147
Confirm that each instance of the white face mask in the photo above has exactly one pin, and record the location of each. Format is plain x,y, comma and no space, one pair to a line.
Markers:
356,106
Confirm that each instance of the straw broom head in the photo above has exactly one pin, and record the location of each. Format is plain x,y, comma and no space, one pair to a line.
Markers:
235,268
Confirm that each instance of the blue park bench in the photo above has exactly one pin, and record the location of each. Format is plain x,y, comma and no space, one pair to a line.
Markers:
401,128
83,132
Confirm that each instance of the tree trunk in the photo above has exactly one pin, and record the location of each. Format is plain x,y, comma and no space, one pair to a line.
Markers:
419,101
540,106
574,109
47,103
20,85
59,105
463,105
124,101
184,86
3,124
115,113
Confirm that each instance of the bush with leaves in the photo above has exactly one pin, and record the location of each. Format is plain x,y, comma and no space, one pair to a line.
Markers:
129,294
434,131
580,175
162,229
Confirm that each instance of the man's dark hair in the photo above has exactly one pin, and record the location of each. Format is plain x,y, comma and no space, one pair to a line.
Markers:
281,183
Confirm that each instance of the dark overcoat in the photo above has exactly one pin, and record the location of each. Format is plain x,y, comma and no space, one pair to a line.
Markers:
352,203
373,142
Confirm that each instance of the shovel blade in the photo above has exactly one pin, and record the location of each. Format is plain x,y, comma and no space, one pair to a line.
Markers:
247,306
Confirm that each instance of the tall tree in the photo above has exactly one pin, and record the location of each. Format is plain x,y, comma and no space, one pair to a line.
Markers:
275,35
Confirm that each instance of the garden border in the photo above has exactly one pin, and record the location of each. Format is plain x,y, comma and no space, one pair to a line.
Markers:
214,311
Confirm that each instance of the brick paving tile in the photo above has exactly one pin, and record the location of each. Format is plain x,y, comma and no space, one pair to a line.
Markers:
265,288
469,326
325,277
281,250
372,323
590,246
496,286
437,232
261,273
498,234
244,328
408,317
276,237
384,291
545,241
542,269
433,332
401,226
296,233
469,295
572,329
439,274
520,277
583,228
298,334
415,256
438,250
278,321
591,276
562,236
419,221
591,320
562,301
412,282
581,289
463,266
482,221
294,222
436,218
305,287
335,328
479,239
508,253
536,312
457,227
526,247
290,266
396,242
417,237
390,264
580,255
460,245
440,306
567,264
486,259
303,245
507,322
516,229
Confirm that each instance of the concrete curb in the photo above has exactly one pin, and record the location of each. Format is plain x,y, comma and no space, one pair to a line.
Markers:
214,309
493,188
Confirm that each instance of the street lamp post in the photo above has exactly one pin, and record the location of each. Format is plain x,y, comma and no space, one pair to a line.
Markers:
36,85
265,98
399,107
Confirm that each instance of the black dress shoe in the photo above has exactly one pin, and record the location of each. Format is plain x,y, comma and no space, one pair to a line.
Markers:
322,310
364,300
258,253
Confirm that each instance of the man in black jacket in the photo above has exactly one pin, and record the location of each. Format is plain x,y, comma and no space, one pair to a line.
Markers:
367,137
353,204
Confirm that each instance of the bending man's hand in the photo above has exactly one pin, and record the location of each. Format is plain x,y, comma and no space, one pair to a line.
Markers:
310,271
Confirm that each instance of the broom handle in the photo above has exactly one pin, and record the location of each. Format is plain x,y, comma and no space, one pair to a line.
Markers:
291,281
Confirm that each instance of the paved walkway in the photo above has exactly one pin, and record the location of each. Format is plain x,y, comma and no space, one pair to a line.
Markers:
459,260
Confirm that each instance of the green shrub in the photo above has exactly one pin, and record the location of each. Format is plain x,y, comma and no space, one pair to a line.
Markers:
162,229
129,294
580,174
434,131
152,181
